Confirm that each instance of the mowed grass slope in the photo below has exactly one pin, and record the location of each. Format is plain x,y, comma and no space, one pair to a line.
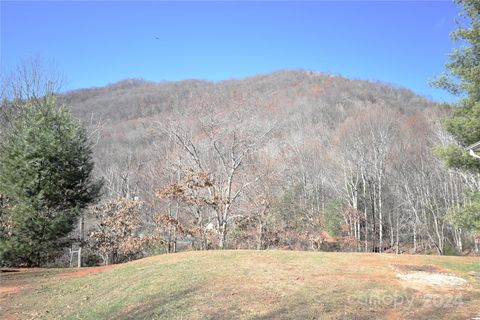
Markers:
252,285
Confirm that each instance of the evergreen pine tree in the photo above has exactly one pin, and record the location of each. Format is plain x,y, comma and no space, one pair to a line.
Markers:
462,78
46,176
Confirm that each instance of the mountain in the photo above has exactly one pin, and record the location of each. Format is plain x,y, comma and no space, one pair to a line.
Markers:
292,159
127,109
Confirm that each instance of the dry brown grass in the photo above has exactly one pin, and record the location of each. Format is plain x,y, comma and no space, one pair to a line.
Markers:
251,285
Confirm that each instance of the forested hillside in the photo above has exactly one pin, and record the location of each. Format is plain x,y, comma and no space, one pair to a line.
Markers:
293,159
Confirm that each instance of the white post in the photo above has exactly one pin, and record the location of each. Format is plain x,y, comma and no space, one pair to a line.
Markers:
79,253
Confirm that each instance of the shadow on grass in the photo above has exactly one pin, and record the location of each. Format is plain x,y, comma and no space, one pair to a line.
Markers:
9,270
165,307
302,311
445,308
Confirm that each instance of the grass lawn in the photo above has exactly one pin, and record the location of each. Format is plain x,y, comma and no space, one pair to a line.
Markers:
245,285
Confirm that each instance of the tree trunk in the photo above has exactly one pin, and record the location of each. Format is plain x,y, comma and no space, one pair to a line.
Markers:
365,211
261,239
458,239
223,235
380,218
392,233
397,239
415,236
374,235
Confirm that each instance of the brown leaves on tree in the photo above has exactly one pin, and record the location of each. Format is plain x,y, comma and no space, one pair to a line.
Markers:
164,221
118,231
189,190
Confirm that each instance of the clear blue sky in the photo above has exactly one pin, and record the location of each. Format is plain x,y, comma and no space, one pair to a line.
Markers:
96,43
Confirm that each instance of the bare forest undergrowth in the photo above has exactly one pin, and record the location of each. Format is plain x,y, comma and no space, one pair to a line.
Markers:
249,285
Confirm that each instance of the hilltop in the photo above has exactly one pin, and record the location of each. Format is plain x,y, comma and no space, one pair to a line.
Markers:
127,108
323,145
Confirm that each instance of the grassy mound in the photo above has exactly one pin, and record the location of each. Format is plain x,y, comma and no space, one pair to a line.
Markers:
248,285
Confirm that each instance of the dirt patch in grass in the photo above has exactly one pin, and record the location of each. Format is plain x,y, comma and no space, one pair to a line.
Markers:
407,268
87,271
15,281
433,279
8,290
427,275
